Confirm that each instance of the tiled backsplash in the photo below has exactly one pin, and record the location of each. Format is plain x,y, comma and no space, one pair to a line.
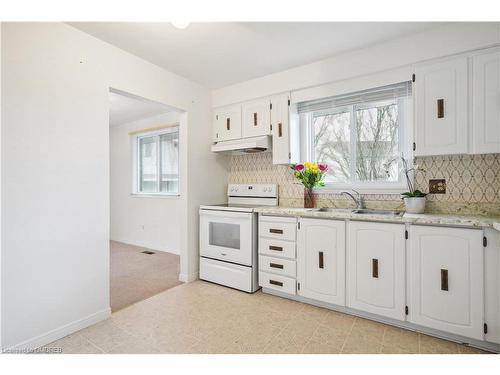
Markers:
472,183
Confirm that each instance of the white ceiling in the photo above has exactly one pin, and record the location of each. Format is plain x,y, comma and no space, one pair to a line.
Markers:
220,54
124,109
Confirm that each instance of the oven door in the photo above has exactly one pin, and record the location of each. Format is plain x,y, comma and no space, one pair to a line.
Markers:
227,236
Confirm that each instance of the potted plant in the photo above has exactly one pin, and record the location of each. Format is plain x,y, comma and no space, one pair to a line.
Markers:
414,199
311,175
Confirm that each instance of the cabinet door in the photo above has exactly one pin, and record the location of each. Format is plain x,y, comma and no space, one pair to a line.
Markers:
227,123
257,118
321,260
441,108
280,129
492,285
486,102
446,279
376,268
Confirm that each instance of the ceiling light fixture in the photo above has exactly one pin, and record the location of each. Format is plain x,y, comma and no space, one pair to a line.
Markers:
180,24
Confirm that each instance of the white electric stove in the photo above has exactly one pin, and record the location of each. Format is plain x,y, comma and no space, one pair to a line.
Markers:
228,236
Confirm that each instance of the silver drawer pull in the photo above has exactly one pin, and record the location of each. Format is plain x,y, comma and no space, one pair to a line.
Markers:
276,231
276,265
276,248
274,282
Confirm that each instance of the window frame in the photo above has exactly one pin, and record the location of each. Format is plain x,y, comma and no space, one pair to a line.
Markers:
136,164
405,117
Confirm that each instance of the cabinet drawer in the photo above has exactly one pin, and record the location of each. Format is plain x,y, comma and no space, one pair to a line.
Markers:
277,266
283,249
276,282
278,229
224,273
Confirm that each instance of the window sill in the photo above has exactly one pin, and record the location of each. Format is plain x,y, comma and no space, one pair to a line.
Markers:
161,196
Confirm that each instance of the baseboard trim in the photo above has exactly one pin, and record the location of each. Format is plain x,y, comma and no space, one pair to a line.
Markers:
142,244
60,332
187,278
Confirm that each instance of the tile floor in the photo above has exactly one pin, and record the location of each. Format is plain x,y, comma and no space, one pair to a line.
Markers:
200,317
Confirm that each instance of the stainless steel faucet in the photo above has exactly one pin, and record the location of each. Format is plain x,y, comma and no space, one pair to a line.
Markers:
360,204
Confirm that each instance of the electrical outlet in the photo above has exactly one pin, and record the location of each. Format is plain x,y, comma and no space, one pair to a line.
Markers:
437,186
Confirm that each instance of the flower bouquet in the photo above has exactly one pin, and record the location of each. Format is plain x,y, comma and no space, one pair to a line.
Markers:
311,175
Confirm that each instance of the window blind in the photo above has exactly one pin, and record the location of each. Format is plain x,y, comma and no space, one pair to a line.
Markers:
389,92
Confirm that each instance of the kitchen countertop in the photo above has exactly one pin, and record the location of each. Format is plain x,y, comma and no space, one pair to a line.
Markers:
437,219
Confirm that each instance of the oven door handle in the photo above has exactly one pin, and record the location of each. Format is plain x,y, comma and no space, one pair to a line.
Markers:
226,214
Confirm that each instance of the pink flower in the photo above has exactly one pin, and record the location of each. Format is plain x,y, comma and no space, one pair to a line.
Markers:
323,167
299,167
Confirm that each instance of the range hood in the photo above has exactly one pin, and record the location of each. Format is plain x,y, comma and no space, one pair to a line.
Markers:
244,145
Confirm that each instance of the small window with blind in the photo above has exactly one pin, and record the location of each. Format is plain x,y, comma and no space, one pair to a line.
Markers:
157,162
360,136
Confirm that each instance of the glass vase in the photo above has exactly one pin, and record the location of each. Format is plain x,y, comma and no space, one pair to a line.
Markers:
309,198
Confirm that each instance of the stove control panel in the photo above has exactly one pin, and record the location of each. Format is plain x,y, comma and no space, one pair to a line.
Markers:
252,190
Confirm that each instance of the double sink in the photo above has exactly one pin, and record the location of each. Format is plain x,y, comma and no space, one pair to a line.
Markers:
360,211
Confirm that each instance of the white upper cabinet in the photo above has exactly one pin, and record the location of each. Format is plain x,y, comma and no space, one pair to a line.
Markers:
256,118
285,131
486,102
321,260
376,268
441,107
446,279
227,123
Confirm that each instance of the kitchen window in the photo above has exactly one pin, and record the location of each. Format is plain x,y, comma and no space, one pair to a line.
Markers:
360,136
156,163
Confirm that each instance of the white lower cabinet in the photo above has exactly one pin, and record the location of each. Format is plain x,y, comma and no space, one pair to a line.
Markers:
446,279
321,260
441,278
277,265
492,285
376,268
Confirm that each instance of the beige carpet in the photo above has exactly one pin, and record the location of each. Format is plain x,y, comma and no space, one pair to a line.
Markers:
136,276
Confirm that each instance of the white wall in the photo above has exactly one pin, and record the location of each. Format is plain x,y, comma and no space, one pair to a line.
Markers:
150,222
1,186
55,173
446,40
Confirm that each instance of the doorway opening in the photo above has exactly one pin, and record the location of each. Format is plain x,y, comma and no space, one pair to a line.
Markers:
145,198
